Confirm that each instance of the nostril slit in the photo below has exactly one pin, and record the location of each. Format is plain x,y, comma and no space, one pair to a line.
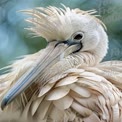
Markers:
64,42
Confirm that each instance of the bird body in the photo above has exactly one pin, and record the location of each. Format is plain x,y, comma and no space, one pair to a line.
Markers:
66,81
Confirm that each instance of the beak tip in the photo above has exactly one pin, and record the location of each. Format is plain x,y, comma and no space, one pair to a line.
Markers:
4,103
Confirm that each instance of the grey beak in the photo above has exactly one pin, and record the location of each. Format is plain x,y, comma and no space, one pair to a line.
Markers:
50,56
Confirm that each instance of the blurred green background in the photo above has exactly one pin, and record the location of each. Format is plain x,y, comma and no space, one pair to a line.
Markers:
15,41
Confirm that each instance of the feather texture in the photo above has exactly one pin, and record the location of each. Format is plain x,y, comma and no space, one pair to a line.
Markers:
96,100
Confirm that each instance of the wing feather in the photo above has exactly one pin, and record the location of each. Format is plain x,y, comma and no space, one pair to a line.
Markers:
63,103
57,93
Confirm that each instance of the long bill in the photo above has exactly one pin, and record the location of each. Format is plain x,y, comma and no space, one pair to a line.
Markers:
51,55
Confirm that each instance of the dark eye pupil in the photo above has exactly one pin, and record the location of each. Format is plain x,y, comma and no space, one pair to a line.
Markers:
78,37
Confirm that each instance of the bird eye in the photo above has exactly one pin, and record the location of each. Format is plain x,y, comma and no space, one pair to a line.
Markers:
78,36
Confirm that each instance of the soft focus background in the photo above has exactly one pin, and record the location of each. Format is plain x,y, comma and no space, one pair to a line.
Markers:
15,41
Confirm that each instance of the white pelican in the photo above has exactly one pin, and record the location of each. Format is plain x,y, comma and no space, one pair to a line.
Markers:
66,81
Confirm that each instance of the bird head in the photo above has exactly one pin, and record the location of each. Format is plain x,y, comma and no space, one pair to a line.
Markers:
70,26
70,33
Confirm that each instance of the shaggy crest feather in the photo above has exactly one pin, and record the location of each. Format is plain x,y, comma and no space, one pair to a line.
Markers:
56,23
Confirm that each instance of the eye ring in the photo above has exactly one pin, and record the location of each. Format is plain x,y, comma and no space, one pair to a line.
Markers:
78,36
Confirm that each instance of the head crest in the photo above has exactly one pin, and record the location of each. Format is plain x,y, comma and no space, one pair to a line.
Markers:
50,22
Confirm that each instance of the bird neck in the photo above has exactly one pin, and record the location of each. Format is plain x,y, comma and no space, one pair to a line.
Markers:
101,50
80,59
84,59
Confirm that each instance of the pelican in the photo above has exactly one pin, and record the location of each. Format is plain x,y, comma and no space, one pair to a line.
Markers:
66,81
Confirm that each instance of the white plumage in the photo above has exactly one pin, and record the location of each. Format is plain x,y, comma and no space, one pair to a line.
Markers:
65,81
